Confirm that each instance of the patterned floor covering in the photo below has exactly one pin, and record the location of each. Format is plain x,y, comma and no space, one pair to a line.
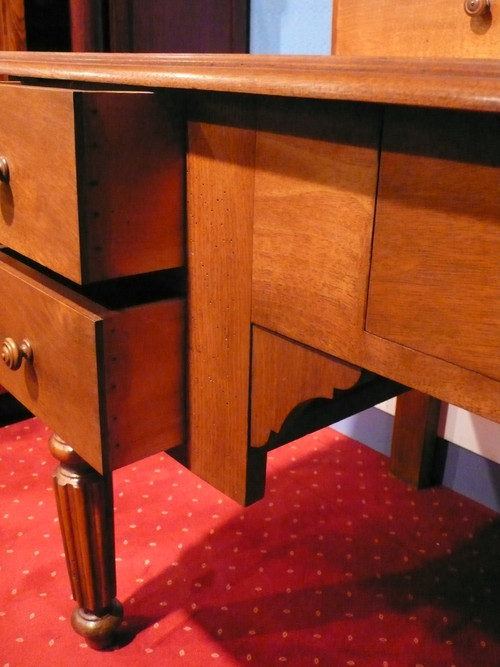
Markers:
339,564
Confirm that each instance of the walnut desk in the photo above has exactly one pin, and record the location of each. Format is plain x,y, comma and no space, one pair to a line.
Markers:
212,255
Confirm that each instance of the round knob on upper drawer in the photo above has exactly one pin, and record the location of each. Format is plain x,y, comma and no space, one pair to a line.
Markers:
4,170
476,7
13,354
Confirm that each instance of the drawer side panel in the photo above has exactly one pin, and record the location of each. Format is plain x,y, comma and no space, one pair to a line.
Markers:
130,149
143,381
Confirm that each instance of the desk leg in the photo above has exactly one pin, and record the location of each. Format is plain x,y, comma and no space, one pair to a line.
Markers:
85,507
414,438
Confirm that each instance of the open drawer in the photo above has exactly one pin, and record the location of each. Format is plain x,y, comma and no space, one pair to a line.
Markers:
107,380
92,182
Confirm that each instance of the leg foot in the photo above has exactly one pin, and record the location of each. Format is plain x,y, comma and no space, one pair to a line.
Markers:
85,506
98,631
414,438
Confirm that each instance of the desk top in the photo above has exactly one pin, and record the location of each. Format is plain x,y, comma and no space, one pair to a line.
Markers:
448,83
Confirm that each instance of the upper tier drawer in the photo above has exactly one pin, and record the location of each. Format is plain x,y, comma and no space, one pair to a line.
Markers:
417,28
107,379
95,180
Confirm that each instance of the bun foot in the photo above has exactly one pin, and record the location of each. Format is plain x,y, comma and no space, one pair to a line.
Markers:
98,631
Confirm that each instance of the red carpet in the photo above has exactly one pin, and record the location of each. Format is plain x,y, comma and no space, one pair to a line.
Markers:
339,565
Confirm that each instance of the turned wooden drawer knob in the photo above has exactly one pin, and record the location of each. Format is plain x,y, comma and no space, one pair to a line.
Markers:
476,7
4,170
13,354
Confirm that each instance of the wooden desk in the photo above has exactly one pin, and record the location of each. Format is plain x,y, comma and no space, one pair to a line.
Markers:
340,231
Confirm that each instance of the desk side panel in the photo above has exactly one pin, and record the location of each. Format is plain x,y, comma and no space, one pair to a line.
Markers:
315,188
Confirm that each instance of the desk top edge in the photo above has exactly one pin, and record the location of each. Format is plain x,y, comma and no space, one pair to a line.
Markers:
448,83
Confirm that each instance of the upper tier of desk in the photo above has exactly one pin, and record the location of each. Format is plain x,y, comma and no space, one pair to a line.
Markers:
447,83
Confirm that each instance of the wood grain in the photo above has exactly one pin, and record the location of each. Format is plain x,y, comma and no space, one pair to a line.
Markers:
429,374
315,187
61,385
468,84
85,509
206,26
414,438
12,25
43,181
220,206
144,370
81,353
130,151
437,82
414,29
285,374
101,173
87,25
435,283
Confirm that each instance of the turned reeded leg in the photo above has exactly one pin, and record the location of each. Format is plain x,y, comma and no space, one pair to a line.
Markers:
85,507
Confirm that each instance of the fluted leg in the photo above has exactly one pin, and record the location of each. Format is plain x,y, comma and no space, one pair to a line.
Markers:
85,507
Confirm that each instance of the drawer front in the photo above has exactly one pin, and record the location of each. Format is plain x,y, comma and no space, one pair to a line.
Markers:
95,183
108,382
435,278
411,28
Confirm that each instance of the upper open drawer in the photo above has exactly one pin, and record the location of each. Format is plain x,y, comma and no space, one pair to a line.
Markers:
92,183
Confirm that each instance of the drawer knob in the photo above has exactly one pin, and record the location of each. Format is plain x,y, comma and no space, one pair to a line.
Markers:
13,354
476,7
4,170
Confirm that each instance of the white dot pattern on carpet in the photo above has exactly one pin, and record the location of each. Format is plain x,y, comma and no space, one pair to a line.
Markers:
339,564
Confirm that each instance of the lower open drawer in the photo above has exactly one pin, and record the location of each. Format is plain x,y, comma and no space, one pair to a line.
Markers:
109,381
